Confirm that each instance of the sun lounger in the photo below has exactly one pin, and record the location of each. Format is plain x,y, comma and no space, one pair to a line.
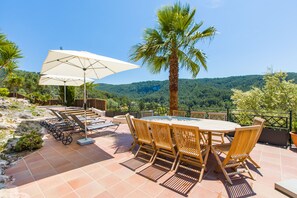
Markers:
61,128
93,127
59,123
48,122
82,118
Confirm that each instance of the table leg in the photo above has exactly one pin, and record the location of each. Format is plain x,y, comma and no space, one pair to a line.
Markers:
209,138
208,147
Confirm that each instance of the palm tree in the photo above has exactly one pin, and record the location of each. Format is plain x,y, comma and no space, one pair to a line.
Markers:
173,41
9,53
13,82
2,39
8,70
90,87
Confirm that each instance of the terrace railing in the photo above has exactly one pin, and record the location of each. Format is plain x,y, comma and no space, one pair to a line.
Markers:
91,102
272,119
277,125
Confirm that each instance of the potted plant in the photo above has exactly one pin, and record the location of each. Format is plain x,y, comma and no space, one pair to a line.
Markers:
294,133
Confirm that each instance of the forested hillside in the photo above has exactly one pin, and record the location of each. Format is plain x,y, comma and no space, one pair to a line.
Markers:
30,88
207,92
193,93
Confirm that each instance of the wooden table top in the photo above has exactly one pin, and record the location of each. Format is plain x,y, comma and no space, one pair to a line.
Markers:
203,124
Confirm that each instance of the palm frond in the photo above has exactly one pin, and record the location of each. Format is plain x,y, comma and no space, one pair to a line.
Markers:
208,33
187,62
199,56
10,52
3,40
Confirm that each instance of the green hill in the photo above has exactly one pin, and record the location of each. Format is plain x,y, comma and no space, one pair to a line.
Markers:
207,92
193,93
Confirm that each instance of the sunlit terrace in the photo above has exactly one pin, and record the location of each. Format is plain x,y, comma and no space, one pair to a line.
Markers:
108,169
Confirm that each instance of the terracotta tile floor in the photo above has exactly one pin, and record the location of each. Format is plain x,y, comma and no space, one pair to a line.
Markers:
95,171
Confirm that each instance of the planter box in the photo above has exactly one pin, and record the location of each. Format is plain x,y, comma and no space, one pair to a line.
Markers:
279,137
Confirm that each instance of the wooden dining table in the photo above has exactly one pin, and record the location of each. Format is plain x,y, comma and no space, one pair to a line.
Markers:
205,125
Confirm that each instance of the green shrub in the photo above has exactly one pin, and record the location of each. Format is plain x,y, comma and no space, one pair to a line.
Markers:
4,92
29,142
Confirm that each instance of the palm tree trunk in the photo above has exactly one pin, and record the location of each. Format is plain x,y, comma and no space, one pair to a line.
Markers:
173,82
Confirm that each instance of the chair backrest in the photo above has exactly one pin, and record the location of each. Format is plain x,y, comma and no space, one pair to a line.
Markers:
161,135
259,121
187,140
142,131
147,113
242,144
179,113
56,114
78,121
217,116
64,116
198,114
131,127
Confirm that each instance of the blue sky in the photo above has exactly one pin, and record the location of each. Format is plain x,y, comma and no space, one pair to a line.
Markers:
252,35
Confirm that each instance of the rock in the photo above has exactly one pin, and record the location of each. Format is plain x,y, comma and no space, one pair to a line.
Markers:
4,178
3,126
13,126
3,163
27,126
25,116
11,144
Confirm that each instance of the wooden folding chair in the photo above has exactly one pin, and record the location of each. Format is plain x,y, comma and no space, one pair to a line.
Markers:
198,114
145,140
163,141
257,121
179,113
190,151
217,116
132,131
238,152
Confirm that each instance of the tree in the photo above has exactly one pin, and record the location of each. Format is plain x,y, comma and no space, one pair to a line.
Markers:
90,88
70,95
173,41
9,53
13,82
112,105
8,70
277,94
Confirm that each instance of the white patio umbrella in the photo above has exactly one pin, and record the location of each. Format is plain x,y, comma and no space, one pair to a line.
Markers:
82,64
62,81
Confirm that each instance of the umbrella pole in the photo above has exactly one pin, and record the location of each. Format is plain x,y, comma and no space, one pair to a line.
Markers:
86,140
65,100
85,102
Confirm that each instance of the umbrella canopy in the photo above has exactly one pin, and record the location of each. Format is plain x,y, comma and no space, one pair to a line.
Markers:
62,81
82,64
76,62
